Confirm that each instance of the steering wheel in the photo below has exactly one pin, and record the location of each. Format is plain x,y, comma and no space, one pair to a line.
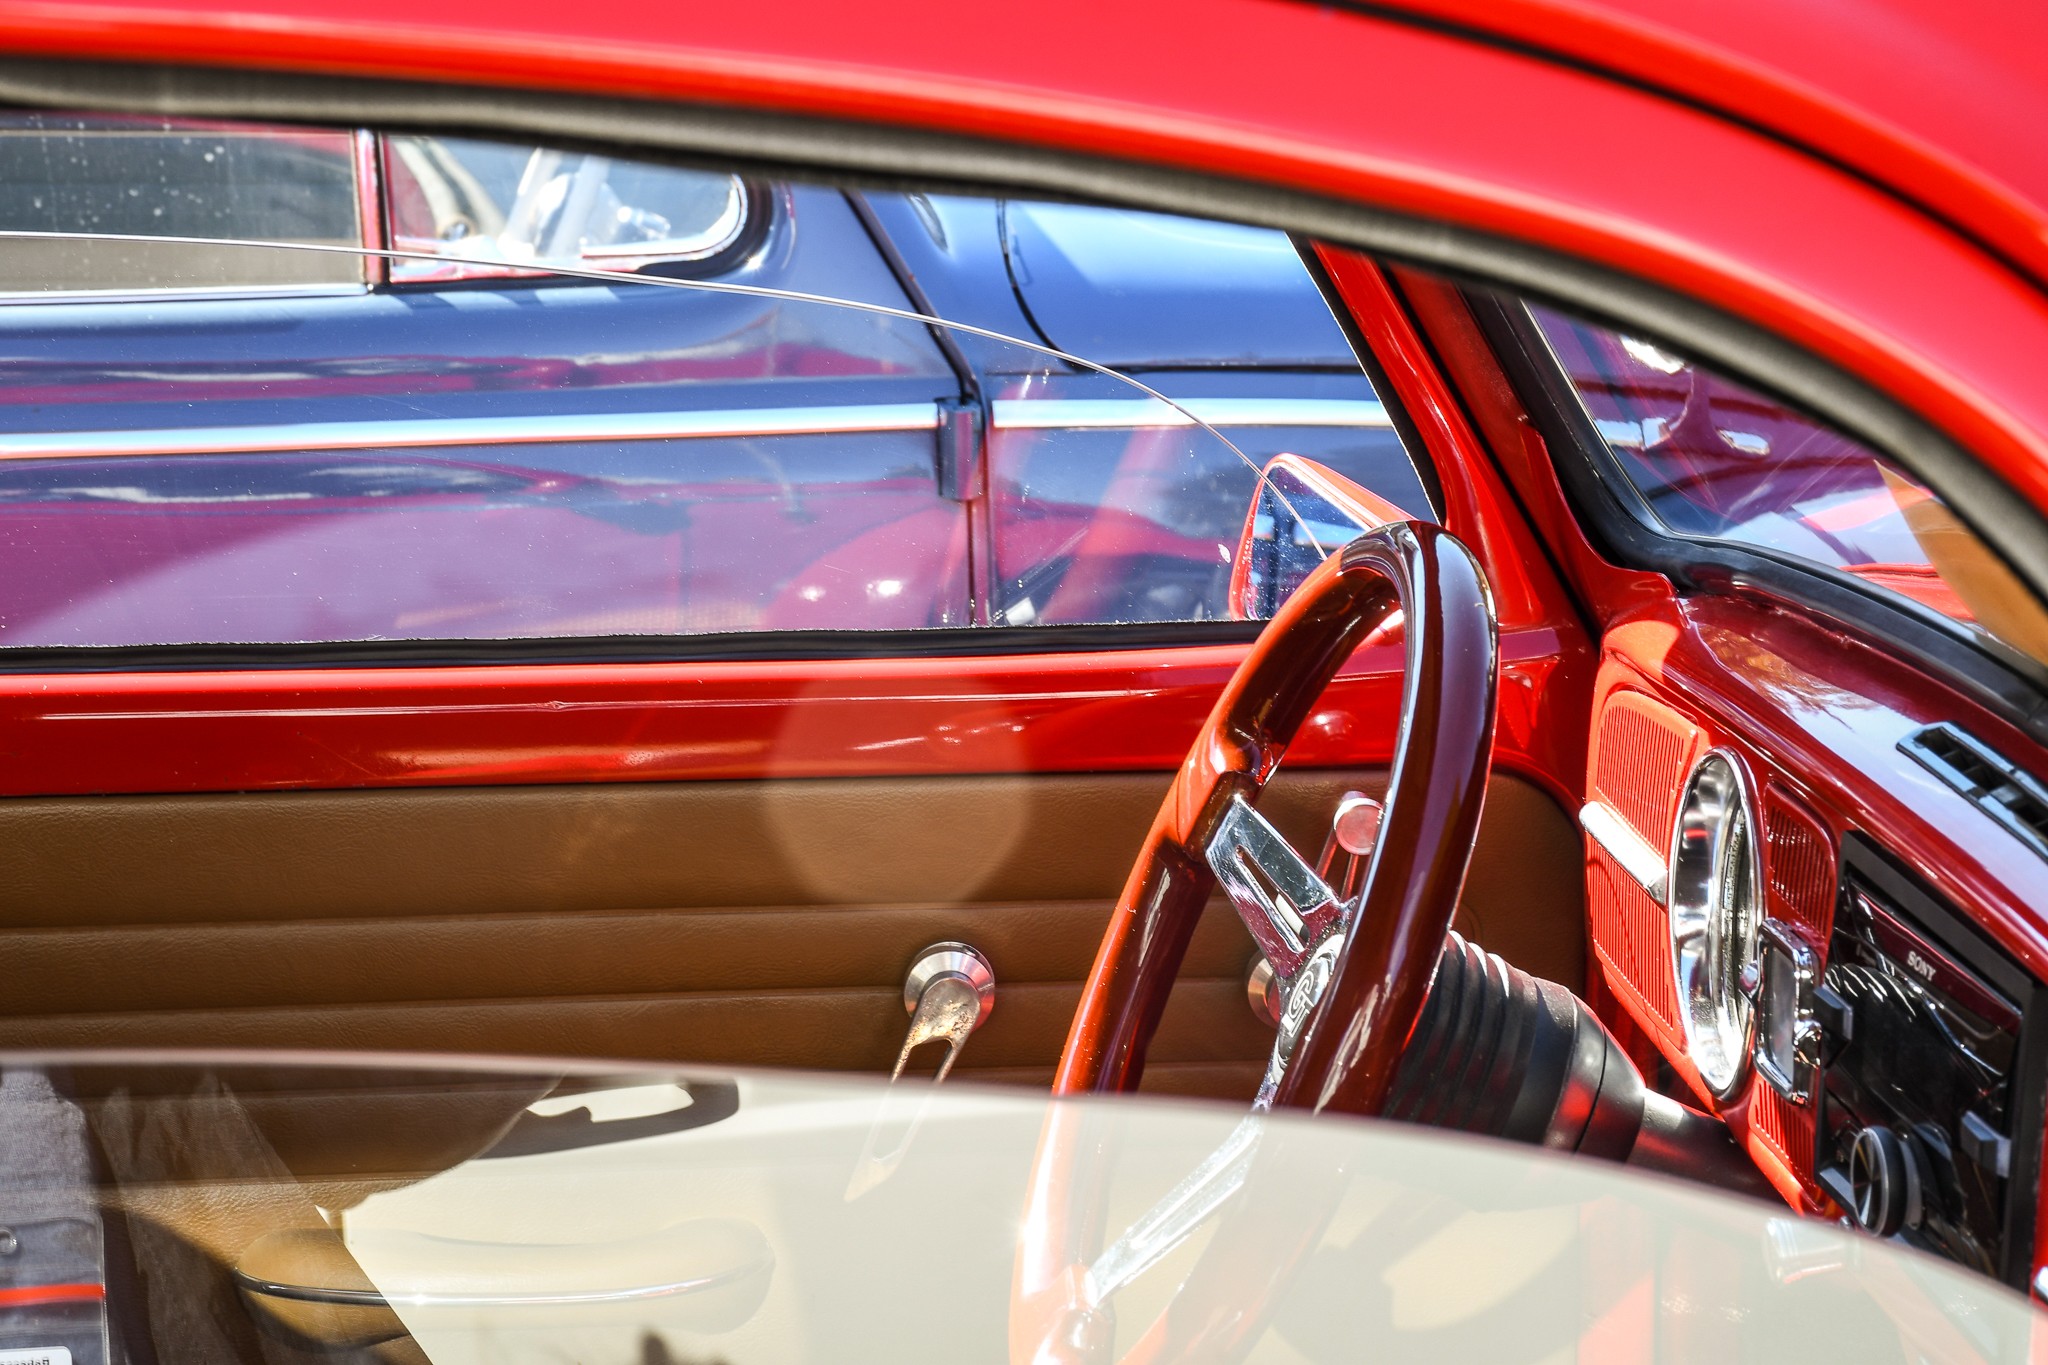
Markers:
1355,977
1353,982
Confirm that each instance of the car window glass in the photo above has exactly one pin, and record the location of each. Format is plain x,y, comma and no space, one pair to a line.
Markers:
714,503
496,202
468,448
1065,440
161,178
1714,459
1154,291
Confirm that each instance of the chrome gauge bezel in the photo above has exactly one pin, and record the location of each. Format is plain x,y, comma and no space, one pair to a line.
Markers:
1716,914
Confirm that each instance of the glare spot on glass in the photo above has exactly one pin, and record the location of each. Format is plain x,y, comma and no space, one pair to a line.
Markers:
1662,361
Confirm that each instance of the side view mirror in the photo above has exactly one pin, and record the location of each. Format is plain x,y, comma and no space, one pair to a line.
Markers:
1301,514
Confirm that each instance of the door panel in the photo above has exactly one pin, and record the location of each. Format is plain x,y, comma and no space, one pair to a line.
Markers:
744,923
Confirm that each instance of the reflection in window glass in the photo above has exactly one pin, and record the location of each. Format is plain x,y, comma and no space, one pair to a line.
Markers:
520,456
1142,524
1717,460
523,205
540,541
163,178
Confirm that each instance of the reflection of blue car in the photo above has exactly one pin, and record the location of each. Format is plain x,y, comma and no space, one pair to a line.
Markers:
239,444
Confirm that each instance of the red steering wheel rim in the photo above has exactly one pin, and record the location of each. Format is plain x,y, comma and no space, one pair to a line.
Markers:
1346,1057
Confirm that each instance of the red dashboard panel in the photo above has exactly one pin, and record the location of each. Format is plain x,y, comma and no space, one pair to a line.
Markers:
1813,719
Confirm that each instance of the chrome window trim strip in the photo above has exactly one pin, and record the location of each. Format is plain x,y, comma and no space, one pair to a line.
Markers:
472,431
1010,414
1637,856
1040,414
222,293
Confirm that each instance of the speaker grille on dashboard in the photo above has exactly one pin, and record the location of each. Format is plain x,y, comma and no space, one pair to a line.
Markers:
1799,888
1641,750
1639,761
1786,1131
1629,934
1799,867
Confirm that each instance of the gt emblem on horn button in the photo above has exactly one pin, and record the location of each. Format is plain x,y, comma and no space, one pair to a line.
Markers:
1307,990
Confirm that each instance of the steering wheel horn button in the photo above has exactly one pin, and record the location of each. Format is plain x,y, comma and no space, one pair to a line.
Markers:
1307,989
1285,905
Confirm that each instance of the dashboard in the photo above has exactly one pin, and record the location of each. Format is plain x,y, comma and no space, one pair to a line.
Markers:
1811,879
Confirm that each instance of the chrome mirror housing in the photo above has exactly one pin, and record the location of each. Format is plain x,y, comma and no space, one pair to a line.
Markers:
1301,513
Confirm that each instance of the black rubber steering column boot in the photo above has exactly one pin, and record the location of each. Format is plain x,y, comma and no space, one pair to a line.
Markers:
1509,1055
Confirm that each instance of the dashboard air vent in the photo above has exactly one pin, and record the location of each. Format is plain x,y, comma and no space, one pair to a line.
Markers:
1993,784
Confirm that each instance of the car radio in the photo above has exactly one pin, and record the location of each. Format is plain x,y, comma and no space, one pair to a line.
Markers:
1921,1041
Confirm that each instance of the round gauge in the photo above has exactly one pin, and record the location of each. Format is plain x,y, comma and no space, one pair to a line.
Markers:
1715,910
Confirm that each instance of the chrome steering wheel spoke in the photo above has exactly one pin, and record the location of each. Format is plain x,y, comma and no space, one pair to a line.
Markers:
1288,908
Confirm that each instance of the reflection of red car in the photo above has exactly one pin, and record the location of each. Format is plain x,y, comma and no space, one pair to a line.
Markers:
386,545
1754,811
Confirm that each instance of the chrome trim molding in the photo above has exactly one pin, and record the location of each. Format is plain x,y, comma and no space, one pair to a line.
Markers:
1792,1020
556,429
473,431
1039,414
1637,856
1714,939
217,293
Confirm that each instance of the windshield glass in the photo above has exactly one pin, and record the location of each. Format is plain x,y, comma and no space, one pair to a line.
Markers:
1715,459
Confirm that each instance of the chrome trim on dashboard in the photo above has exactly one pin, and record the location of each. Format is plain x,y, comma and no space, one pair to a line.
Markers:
1040,414
1713,835
473,431
1637,856
1791,1021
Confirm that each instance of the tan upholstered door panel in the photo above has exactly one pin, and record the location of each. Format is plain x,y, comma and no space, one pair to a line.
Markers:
746,923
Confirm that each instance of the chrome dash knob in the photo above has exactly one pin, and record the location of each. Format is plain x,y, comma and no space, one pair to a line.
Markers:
1264,992
1884,1182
